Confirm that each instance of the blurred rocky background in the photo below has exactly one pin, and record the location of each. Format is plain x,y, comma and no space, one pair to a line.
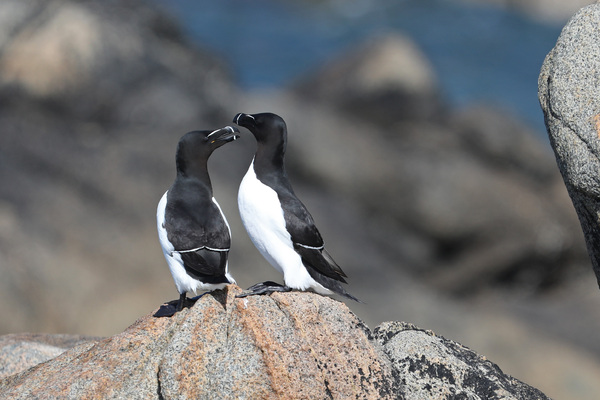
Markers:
440,197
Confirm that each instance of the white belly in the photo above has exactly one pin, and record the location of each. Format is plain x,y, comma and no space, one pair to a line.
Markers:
263,219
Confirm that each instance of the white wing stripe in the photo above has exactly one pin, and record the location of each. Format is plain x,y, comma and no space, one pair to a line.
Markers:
310,247
199,248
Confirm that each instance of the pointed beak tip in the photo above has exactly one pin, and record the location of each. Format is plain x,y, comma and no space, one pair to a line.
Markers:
237,118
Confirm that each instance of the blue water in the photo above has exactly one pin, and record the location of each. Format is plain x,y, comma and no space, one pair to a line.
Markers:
480,53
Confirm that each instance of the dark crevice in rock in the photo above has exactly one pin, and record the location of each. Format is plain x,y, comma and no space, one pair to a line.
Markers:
158,385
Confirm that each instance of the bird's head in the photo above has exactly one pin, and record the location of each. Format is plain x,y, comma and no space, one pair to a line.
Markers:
205,142
264,126
197,146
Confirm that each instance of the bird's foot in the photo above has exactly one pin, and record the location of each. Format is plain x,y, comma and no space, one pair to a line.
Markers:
267,287
169,309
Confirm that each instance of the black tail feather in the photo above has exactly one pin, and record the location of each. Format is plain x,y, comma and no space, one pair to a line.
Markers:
331,284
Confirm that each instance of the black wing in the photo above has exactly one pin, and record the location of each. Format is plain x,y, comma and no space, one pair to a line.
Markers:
206,265
307,240
321,261
193,221
197,230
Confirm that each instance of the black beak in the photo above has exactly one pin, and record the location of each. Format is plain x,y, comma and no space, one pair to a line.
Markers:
225,134
245,120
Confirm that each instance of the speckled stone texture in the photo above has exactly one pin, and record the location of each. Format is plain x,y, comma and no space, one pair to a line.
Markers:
283,346
569,93
19,352
428,366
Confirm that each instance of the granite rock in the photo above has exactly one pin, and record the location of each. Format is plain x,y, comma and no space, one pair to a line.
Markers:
19,352
287,345
569,93
433,367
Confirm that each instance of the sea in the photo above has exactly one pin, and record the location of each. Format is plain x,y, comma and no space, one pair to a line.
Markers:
481,53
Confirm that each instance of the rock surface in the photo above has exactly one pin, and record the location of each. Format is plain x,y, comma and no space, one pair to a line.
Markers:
569,93
287,345
19,352
432,367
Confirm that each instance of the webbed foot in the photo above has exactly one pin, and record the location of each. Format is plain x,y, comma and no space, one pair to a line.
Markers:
166,310
267,287
169,309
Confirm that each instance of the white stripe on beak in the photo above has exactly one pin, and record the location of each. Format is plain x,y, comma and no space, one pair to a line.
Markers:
213,132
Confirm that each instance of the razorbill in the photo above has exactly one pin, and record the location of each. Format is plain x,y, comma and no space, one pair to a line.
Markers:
277,222
192,230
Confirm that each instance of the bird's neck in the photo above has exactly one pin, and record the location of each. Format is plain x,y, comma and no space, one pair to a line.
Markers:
196,172
269,159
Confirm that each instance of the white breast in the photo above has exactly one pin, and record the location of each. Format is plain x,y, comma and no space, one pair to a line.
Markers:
262,216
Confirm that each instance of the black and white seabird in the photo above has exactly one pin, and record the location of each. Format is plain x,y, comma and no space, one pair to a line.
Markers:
277,222
192,230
